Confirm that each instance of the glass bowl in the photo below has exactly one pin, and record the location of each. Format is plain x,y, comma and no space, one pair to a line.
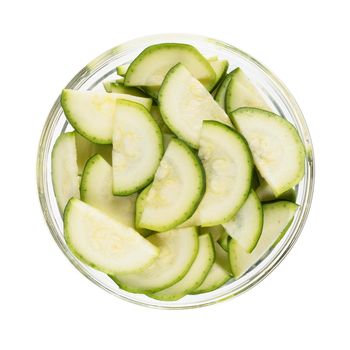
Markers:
275,93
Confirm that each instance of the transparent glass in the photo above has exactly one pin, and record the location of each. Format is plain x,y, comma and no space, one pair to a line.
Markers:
277,95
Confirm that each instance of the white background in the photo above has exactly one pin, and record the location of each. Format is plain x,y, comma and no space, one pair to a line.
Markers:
46,304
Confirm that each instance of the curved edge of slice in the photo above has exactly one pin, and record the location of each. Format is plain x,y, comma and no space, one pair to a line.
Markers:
121,70
151,91
64,169
219,273
114,87
184,104
191,175
86,149
278,216
96,190
220,68
188,55
215,231
242,93
246,226
221,90
223,152
224,240
134,167
265,193
91,113
103,243
277,148
155,112
140,203
195,275
177,250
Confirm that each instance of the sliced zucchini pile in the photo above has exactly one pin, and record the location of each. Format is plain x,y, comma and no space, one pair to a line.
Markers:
64,167
167,189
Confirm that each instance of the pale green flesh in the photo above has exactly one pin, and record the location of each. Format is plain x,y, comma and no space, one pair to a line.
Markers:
102,242
221,91
277,149
86,149
91,113
112,86
196,274
96,190
218,274
137,148
221,258
140,204
246,226
178,249
215,231
184,104
266,194
151,91
177,188
277,218
220,69
155,112
224,241
242,93
121,70
138,211
152,65
228,168
64,169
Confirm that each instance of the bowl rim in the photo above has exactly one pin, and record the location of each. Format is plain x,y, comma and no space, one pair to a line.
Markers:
103,59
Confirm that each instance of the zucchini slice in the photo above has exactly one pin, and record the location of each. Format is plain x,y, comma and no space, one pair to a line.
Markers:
137,148
219,273
176,191
151,66
155,112
242,93
228,168
102,242
86,149
151,91
246,226
121,70
184,103
112,86
224,240
278,216
177,251
220,68
91,113
266,194
96,190
196,274
221,90
140,204
215,231
277,149
64,169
